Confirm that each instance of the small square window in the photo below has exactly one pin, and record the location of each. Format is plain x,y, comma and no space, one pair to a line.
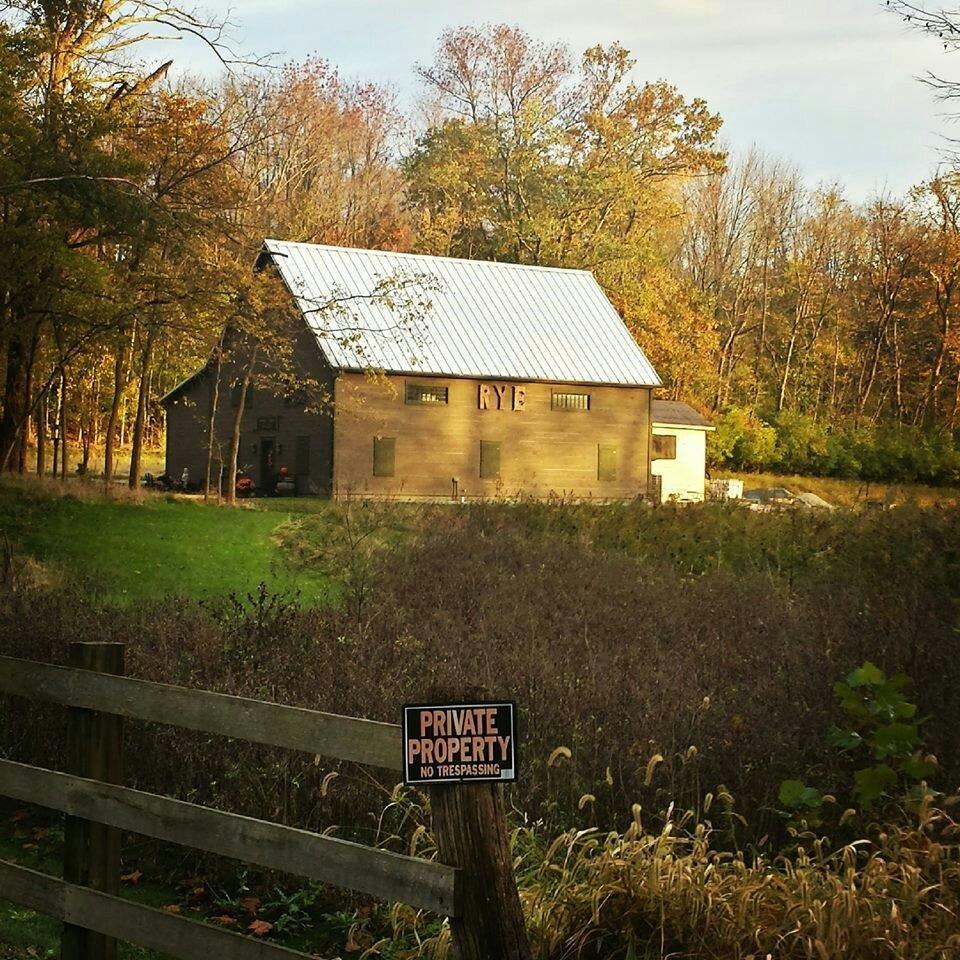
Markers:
664,448
489,459
384,456
427,394
606,461
272,424
570,401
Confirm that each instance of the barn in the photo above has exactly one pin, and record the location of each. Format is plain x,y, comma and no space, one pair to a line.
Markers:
514,380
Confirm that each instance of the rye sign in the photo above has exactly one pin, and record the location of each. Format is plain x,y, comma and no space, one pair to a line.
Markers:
459,742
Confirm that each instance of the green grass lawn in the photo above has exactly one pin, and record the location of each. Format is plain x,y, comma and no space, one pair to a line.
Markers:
126,550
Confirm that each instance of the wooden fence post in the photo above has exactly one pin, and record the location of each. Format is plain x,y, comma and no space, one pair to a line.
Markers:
91,850
471,833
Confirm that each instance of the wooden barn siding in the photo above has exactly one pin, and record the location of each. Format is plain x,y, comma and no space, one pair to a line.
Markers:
543,451
188,415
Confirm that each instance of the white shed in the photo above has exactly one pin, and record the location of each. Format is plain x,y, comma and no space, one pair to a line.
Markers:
679,454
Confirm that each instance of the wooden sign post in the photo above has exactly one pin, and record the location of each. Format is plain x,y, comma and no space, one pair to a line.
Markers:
463,753
471,833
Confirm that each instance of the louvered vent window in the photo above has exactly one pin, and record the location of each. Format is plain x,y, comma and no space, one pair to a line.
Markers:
426,393
571,401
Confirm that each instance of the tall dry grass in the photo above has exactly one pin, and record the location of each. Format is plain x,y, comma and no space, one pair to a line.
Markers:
892,894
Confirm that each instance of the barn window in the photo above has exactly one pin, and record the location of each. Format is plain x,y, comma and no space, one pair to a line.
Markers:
664,448
299,398
426,393
384,456
606,461
489,459
570,401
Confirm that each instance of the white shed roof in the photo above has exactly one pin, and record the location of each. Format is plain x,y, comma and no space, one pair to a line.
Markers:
486,319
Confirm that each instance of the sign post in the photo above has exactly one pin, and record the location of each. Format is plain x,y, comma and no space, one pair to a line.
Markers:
463,753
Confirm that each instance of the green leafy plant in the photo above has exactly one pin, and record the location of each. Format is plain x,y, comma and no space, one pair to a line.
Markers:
881,732
803,803
881,727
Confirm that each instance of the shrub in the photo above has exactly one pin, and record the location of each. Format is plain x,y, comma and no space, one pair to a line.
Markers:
800,444
741,440
706,636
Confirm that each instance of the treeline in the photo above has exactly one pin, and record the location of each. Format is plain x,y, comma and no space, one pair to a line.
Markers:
798,443
132,207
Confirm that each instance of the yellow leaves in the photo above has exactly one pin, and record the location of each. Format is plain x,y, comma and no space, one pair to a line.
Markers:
132,877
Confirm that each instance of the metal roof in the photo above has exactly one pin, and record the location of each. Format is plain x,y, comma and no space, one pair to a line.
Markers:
675,413
485,319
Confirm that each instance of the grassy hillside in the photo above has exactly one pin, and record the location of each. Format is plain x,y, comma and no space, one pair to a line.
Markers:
126,550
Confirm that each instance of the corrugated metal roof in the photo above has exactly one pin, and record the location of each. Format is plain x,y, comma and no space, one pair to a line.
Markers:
485,320
675,413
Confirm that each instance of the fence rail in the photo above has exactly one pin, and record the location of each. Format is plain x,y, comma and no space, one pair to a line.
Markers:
478,893
381,873
113,917
296,728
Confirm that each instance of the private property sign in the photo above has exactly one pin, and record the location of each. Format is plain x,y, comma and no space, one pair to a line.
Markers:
458,742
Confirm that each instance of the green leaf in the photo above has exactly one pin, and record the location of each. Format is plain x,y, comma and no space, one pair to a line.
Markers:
844,739
906,710
791,793
916,768
895,738
872,783
869,675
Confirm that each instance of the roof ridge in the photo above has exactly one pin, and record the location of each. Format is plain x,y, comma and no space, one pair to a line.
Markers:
427,256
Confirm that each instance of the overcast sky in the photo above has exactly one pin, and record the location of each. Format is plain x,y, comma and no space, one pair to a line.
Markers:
829,85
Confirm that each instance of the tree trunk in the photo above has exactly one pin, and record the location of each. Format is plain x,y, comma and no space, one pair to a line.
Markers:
212,422
136,444
235,435
111,429
64,452
11,422
41,429
56,435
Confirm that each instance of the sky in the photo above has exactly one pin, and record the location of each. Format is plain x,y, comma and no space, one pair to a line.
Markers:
829,85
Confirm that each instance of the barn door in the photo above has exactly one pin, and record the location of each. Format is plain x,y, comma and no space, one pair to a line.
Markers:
301,464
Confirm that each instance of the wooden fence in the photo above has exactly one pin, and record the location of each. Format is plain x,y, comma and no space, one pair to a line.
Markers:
475,888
